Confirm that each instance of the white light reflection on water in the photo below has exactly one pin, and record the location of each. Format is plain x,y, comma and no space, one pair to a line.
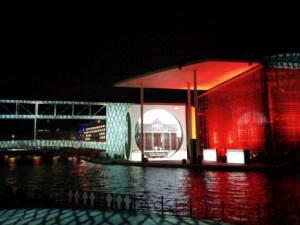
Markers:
276,190
129,179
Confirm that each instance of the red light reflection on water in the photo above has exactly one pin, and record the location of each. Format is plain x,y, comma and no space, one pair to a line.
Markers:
78,164
228,186
230,196
245,198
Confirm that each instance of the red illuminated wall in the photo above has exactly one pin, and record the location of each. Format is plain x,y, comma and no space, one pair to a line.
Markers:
233,116
259,111
284,107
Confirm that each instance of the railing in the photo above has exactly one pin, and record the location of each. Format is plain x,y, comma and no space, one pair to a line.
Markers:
241,213
31,144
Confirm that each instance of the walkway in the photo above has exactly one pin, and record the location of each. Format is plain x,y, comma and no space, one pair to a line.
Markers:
203,166
56,216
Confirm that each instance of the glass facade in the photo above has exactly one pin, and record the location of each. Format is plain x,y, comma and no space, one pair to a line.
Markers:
116,128
284,110
258,111
232,115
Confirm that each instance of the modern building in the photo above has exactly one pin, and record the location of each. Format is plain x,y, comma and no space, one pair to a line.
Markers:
94,131
242,107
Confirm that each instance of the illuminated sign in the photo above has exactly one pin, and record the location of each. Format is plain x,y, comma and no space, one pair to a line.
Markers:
237,156
210,155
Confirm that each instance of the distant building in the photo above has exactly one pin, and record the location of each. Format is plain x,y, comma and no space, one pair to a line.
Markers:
94,131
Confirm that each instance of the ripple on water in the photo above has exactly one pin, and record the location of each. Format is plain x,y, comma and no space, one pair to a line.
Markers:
230,187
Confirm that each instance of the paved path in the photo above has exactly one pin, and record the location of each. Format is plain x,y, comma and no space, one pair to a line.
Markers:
252,167
56,216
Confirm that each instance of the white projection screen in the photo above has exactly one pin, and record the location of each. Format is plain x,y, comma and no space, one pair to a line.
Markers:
236,156
210,155
164,132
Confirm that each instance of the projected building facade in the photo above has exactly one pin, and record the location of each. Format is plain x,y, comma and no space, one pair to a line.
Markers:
164,132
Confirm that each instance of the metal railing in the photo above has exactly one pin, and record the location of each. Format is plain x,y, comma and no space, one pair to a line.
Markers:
235,213
36,144
145,202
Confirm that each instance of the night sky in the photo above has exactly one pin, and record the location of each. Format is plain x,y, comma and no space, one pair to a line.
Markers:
71,50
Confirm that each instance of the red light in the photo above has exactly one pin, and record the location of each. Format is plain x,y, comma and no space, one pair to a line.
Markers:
284,105
233,114
255,113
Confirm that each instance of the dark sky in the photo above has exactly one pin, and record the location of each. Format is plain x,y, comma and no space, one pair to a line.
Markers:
75,50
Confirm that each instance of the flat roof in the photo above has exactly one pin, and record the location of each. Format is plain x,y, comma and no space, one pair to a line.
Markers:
210,73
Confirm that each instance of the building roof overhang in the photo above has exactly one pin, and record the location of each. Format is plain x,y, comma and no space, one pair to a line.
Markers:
209,73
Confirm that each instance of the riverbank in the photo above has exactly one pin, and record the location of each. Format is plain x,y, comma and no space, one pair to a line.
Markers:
251,167
60,216
255,193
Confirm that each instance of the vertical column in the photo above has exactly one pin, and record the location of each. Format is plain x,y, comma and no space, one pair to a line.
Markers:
170,140
73,109
189,127
54,110
196,117
17,108
152,140
36,112
142,121
163,140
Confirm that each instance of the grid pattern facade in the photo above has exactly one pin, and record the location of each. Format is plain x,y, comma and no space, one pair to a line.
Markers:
116,128
284,106
233,116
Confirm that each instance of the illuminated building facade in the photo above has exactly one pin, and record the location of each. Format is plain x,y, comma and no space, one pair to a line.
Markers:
232,115
250,107
94,131
283,104
238,107
257,110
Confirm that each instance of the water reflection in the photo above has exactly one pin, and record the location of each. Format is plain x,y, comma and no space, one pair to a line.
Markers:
233,186
279,192
283,196
36,161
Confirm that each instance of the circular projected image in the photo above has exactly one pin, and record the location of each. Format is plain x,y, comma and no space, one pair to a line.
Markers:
162,134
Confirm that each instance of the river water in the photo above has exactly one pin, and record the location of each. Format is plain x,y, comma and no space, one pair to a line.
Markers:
274,196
